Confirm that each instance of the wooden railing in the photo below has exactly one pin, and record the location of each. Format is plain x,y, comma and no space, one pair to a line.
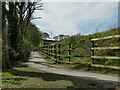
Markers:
54,51
93,48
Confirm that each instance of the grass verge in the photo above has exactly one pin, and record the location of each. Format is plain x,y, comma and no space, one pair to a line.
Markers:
23,76
82,66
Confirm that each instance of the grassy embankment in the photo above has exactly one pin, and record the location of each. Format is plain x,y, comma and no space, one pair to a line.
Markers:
83,63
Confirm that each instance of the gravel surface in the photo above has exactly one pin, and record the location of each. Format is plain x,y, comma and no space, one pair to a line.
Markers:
40,63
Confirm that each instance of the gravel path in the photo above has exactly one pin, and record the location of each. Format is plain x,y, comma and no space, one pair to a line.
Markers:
38,62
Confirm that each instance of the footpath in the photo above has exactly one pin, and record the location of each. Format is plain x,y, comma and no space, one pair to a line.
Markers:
36,61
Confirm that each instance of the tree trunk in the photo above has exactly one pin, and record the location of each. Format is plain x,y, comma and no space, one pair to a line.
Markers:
5,53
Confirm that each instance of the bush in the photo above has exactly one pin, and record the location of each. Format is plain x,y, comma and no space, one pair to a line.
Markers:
24,50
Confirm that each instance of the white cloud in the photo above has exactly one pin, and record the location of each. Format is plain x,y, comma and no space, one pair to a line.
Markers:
80,0
71,17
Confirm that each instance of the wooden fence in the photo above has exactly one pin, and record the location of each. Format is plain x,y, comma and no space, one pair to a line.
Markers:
54,51
93,48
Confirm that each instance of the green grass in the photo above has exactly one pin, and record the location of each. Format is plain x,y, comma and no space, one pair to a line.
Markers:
23,76
78,42
28,77
83,64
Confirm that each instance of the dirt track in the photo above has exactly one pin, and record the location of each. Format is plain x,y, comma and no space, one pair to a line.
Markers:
38,62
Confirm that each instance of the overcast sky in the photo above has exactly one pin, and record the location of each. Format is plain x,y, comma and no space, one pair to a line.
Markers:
77,17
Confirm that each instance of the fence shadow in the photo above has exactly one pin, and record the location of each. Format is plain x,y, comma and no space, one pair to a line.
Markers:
78,82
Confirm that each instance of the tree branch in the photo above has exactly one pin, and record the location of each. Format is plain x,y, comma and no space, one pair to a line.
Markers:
36,18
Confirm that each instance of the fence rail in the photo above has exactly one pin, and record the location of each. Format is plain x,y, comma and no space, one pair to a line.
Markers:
105,57
55,51
115,36
100,48
93,56
105,66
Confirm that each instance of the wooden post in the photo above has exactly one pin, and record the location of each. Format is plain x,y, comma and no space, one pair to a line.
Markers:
45,49
49,50
58,51
92,52
42,49
52,51
55,51
69,52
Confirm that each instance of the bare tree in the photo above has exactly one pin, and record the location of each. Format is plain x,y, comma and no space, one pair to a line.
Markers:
19,14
